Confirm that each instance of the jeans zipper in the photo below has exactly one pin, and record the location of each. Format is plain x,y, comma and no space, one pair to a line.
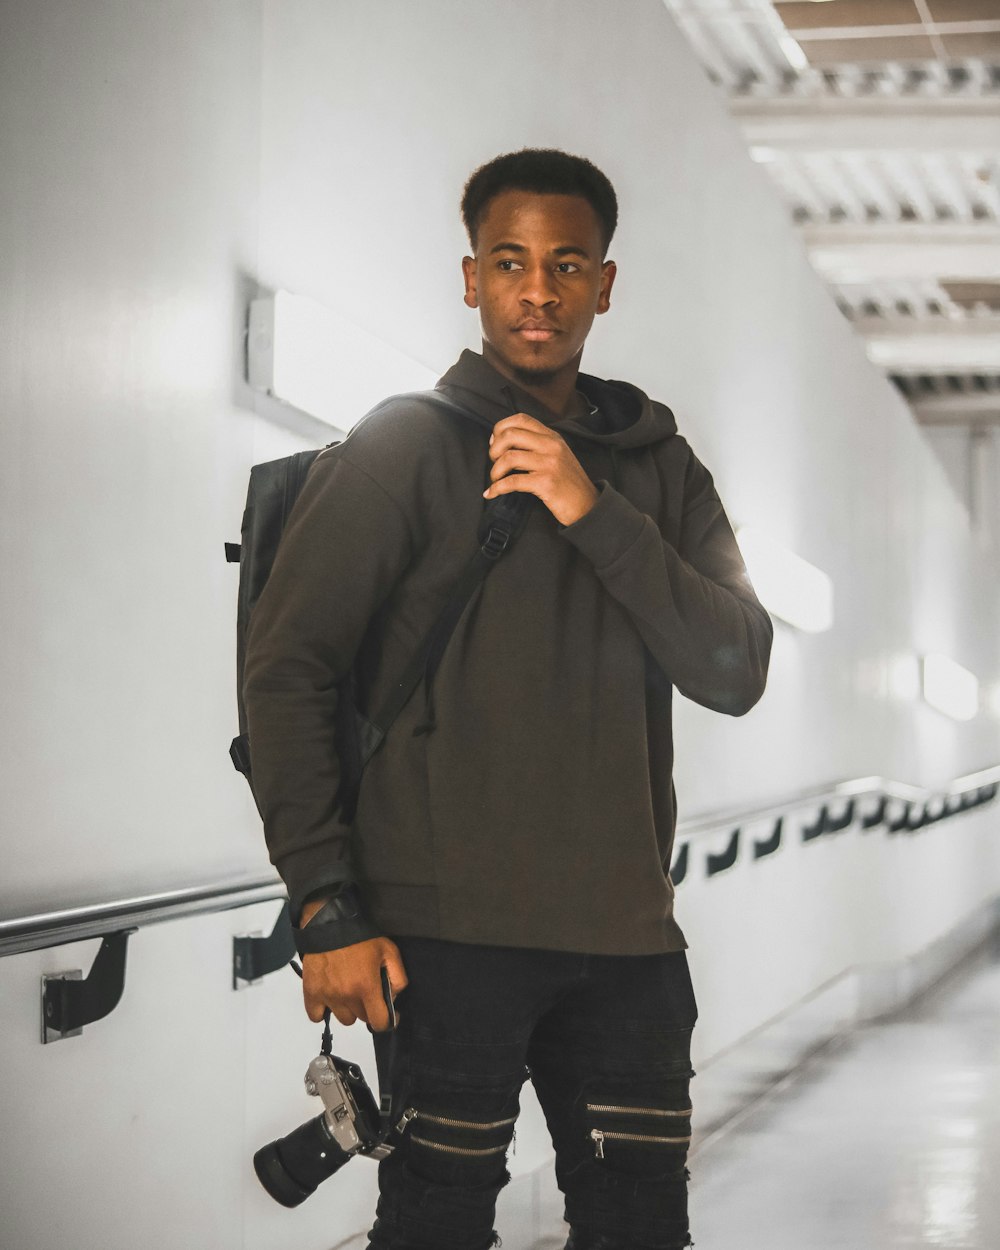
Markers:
458,1150
599,1136
411,1113
597,1106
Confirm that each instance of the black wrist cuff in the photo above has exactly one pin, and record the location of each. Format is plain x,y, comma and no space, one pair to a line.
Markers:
341,921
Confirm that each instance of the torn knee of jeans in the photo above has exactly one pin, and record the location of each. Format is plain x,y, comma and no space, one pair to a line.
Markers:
452,1215
629,1211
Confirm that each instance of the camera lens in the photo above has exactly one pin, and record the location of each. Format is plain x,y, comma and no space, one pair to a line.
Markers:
291,1167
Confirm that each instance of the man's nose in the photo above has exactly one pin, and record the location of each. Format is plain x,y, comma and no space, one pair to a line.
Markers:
538,287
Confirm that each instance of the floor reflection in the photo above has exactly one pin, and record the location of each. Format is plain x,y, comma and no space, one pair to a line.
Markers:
890,1141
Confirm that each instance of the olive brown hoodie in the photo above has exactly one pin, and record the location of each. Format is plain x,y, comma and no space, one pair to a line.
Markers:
538,811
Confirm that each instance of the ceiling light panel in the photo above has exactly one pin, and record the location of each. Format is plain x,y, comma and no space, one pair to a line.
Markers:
787,585
803,15
868,51
964,10
949,687
981,45
969,294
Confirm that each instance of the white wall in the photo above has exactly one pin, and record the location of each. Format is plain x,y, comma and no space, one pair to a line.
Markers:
128,221
162,160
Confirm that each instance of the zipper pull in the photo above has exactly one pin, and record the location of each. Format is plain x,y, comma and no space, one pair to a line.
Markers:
409,1114
598,1140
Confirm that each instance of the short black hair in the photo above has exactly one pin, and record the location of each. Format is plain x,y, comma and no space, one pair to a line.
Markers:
544,171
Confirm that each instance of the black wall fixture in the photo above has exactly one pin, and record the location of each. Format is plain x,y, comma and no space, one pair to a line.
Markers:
679,868
837,824
769,845
254,957
876,817
817,828
69,1002
825,823
725,859
896,824
917,817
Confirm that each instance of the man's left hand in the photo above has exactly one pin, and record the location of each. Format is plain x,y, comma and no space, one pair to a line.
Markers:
548,468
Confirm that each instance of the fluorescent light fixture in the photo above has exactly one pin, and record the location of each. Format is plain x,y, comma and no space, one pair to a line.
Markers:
949,687
787,585
306,355
796,58
903,677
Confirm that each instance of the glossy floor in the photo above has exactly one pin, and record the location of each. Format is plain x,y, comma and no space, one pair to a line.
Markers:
889,1141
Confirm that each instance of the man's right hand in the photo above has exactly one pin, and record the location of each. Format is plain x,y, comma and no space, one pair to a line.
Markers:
349,980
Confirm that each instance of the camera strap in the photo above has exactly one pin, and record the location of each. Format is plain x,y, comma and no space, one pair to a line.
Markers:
386,1047
326,1045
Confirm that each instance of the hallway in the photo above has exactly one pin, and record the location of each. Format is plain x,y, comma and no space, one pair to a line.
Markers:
888,1141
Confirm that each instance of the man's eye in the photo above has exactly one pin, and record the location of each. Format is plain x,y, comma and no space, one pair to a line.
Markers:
506,266
567,266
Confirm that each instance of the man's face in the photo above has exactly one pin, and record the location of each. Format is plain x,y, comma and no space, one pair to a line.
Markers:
538,281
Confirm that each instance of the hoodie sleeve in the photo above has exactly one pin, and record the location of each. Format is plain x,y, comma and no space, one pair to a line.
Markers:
692,603
345,545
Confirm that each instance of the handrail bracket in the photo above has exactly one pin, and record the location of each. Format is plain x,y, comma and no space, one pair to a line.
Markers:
69,1002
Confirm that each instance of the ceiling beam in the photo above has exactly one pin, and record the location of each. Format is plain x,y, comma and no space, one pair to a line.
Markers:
869,123
850,254
908,345
957,410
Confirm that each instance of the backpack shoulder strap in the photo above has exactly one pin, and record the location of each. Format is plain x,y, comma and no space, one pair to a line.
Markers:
442,400
503,520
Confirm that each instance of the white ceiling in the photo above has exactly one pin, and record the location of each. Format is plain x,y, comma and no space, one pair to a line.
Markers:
879,121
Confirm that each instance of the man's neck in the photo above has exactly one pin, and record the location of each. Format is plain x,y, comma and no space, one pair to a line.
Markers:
556,391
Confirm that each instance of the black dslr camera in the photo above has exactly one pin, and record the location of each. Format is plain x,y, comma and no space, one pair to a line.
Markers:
291,1167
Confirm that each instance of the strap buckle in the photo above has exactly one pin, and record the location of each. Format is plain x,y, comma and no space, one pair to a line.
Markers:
495,542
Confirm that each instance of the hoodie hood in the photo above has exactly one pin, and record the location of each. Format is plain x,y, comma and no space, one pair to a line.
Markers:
615,414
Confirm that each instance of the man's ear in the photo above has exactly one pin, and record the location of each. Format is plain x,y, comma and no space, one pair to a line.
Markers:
608,272
469,273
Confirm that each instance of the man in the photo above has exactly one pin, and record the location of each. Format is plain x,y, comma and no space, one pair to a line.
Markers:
507,862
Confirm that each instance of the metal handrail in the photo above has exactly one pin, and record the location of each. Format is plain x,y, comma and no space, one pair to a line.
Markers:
860,788
75,924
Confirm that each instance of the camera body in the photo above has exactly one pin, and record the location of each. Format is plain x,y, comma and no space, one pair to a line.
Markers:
351,1115
291,1167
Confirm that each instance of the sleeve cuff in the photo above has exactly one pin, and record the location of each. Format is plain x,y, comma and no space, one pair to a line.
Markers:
607,531
340,922
312,872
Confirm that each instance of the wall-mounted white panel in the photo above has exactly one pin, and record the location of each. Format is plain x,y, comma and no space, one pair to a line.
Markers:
309,356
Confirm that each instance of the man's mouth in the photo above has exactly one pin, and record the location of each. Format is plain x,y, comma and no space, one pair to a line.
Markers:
536,331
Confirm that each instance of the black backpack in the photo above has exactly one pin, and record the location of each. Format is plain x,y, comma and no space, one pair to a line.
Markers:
271,495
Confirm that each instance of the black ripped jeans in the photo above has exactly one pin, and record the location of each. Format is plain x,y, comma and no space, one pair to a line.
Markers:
606,1042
